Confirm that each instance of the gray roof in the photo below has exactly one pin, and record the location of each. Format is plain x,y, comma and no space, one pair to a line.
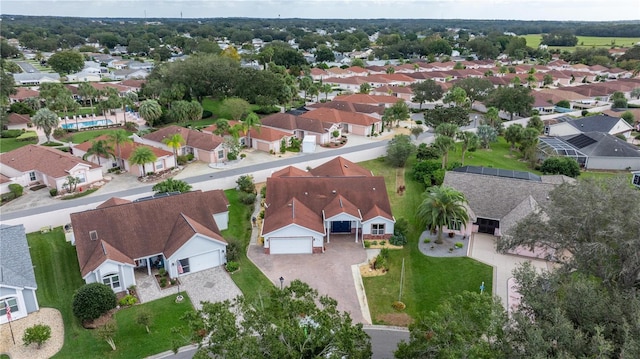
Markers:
16,269
489,171
598,123
602,145
35,76
494,197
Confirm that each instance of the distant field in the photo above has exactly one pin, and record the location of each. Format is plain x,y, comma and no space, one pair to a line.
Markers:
533,40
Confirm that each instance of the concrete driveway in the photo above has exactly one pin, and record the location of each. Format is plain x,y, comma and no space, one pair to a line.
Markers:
330,272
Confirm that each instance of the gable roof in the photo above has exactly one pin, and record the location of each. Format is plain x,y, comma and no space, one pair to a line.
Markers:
336,116
18,119
291,171
23,93
340,167
49,161
16,269
600,144
368,99
113,201
133,230
349,106
192,138
126,149
597,123
292,122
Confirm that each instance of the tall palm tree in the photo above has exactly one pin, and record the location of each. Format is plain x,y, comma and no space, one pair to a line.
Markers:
251,121
141,156
469,140
175,142
118,138
87,92
444,144
127,101
99,148
441,205
45,119
150,110
326,89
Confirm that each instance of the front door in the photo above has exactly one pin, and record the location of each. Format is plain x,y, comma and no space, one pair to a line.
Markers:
341,227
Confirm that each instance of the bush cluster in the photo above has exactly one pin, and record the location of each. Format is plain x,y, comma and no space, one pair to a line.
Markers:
127,301
11,133
93,300
232,266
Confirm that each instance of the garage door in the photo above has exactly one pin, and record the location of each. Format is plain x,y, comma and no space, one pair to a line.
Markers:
204,261
296,245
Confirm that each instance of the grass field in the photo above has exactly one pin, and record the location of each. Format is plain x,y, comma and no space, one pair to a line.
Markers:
10,144
427,280
533,40
58,277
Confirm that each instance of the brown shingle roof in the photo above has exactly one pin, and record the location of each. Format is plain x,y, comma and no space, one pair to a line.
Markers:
291,122
18,119
369,99
49,161
350,106
125,148
336,116
291,171
23,93
340,167
140,229
113,201
192,138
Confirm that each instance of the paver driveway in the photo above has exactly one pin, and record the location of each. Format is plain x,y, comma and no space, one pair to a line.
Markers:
329,273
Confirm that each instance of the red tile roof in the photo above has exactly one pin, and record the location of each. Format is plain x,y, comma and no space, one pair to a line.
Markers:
126,148
18,119
350,106
337,116
340,167
192,138
23,93
368,99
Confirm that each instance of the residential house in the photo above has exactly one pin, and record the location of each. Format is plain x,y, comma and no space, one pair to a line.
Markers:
84,76
386,101
23,93
33,164
592,150
126,74
16,121
401,92
300,127
17,280
348,122
338,200
564,126
265,139
371,110
179,232
497,198
35,78
164,159
205,147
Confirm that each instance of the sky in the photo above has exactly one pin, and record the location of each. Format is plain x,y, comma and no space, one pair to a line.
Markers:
562,10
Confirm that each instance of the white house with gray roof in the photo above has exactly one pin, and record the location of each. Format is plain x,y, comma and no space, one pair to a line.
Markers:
565,126
17,279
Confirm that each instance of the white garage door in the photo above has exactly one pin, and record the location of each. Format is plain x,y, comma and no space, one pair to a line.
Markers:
296,245
204,261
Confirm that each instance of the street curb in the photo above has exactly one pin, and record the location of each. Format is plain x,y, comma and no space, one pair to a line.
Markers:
169,353
385,327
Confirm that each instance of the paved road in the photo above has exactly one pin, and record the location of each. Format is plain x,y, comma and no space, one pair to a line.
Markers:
27,67
384,341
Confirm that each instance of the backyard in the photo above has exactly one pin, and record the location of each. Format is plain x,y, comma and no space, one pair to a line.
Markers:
10,144
58,277
533,40
427,280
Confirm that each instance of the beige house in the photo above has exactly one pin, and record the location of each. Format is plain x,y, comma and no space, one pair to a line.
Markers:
205,147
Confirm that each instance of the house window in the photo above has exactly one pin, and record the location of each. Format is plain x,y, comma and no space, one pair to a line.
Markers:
220,154
454,225
112,280
32,176
81,176
159,165
184,264
377,228
12,302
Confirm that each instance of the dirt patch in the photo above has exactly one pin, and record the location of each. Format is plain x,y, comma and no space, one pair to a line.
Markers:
367,271
395,319
96,323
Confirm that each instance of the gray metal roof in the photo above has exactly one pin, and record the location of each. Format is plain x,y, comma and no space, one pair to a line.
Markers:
605,145
16,269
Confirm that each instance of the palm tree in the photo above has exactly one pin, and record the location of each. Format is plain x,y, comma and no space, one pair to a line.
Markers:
441,206
118,138
326,89
141,156
175,142
127,101
444,144
45,119
99,148
87,92
251,121
469,140
150,110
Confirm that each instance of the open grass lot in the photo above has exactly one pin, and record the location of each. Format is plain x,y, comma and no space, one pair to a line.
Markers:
10,144
249,278
58,276
497,157
427,280
83,136
533,40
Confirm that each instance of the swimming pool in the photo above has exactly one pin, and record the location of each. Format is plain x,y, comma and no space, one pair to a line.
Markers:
86,124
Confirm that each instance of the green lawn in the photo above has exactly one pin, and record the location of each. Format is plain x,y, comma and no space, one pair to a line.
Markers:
427,280
497,157
10,144
58,276
249,278
533,40
79,137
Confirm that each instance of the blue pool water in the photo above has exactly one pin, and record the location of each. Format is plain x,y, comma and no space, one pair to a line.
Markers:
86,124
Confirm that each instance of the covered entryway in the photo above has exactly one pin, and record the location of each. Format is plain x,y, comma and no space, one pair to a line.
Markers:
201,262
341,227
487,225
291,245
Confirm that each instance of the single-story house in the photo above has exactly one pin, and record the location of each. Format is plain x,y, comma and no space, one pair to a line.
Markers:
371,110
497,198
35,78
348,122
205,147
164,159
18,281
565,126
84,76
34,164
592,150
180,233
304,210
264,138
16,121
23,93
300,127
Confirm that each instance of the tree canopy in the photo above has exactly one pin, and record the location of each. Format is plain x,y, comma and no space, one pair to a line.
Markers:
442,206
455,114
66,62
399,149
514,100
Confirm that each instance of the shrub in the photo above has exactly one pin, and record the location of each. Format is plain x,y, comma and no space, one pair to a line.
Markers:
243,155
263,191
206,114
247,198
10,133
367,244
232,266
190,156
127,301
401,226
261,215
584,113
382,243
93,300
163,282
459,245
398,239
245,184
130,126
144,318
384,252
162,272
182,160
399,306
375,243
53,192
58,133
38,334
233,250
232,156
427,240
380,263
27,136
418,122
561,165
16,189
